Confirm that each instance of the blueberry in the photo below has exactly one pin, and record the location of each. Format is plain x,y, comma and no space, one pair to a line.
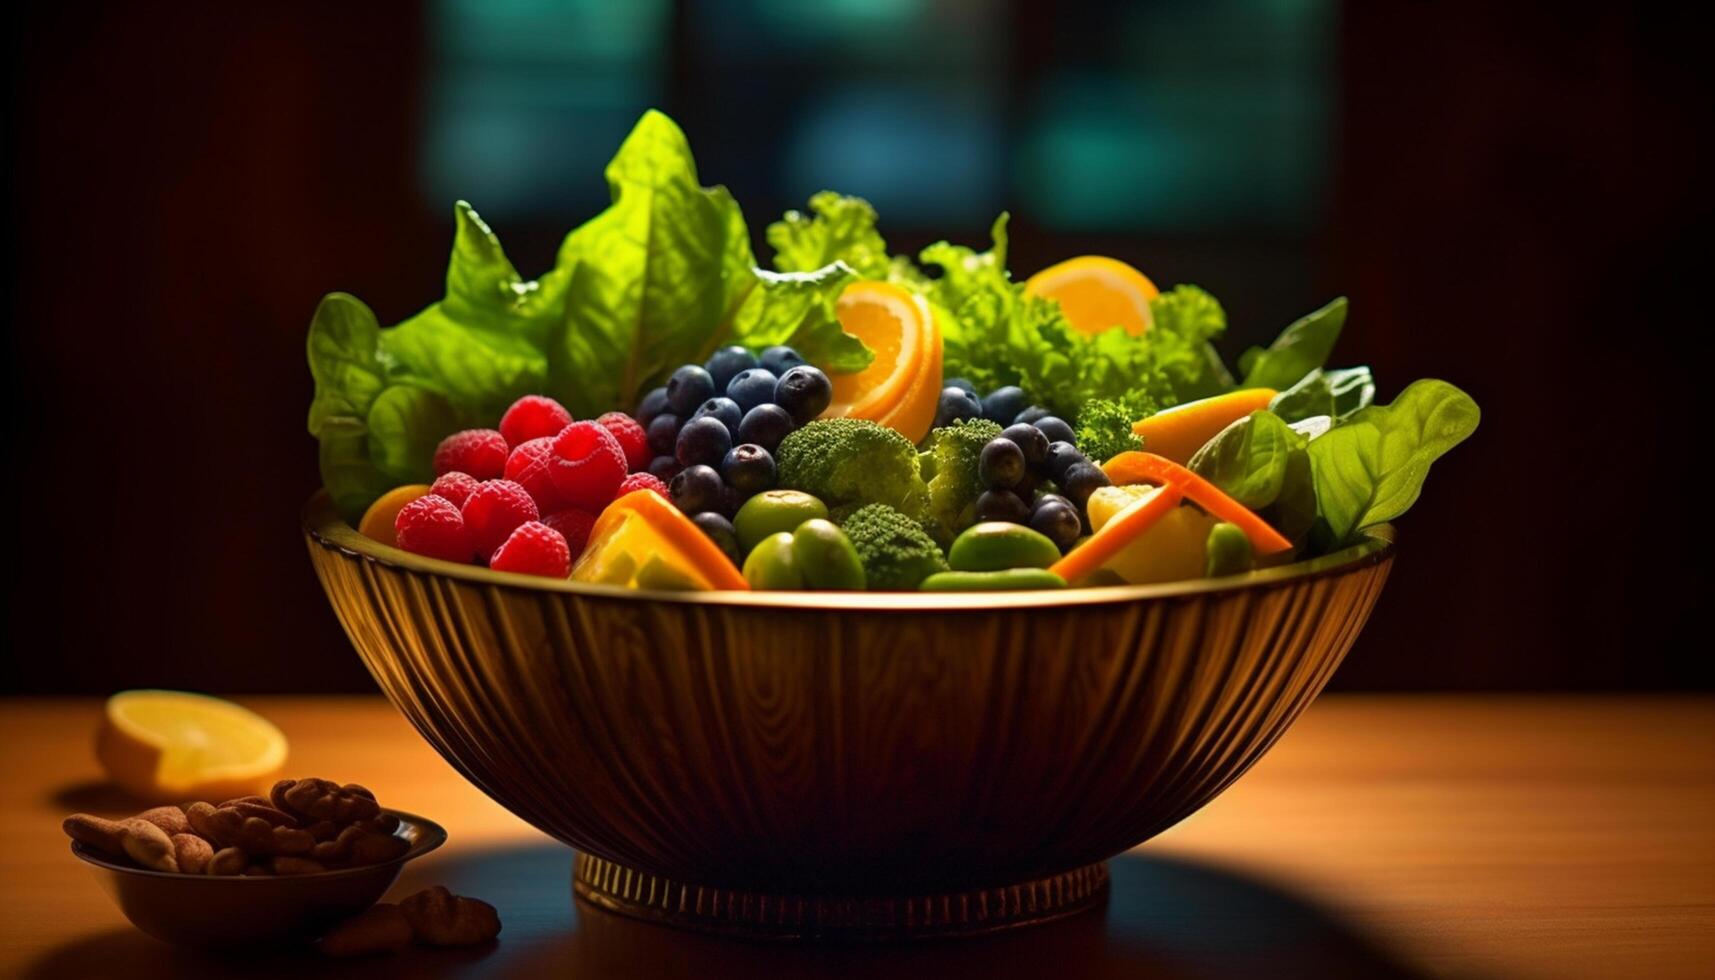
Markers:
663,433
653,404
960,383
1083,479
719,530
665,468
1001,505
765,426
1031,440
723,409
779,360
804,392
749,468
752,388
1050,498
1055,429
726,362
696,489
1062,455
1026,485
1003,404
704,441
956,405
1055,518
731,501
1001,464
1031,415
689,387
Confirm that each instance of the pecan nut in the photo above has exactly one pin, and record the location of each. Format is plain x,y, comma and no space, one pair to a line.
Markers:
228,827
440,918
324,799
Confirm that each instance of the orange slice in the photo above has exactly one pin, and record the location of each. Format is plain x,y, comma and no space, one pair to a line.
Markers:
643,542
913,414
1152,468
379,519
172,746
1097,293
899,327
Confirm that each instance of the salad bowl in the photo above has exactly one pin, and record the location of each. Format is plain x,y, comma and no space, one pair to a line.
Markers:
848,766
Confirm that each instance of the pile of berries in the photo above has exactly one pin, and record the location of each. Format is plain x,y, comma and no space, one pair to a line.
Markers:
523,497
1033,448
713,428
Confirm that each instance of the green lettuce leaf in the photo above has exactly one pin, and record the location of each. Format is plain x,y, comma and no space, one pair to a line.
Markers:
1371,468
1300,348
653,280
840,229
1248,459
797,309
343,351
1335,393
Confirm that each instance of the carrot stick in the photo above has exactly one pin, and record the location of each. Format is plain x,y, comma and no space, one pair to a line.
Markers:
1115,535
1137,467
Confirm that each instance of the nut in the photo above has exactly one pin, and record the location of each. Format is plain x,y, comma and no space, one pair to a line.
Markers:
226,862
380,928
148,845
357,845
286,864
192,853
260,808
97,833
228,827
169,818
440,918
323,799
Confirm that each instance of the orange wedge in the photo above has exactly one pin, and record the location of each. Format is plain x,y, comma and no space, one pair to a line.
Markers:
643,542
1097,293
172,746
379,519
902,384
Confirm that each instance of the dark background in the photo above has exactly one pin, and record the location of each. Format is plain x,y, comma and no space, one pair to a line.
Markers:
1515,199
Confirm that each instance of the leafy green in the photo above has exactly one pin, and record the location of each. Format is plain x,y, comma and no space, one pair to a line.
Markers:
841,229
652,279
1371,468
797,309
342,351
1104,426
1186,322
1248,459
1301,347
1335,393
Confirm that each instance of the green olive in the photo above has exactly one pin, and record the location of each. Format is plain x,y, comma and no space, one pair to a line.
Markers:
826,557
996,545
774,511
1228,551
772,565
1003,580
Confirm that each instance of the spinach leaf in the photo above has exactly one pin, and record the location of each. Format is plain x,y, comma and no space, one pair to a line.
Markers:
1301,347
1248,459
405,425
652,280
1371,468
1335,393
343,360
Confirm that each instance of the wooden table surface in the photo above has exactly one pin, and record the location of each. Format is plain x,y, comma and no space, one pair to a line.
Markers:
1384,836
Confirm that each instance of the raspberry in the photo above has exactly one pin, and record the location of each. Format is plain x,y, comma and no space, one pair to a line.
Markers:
454,486
433,526
574,525
530,466
478,452
587,466
533,417
631,438
641,481
534,548
493,511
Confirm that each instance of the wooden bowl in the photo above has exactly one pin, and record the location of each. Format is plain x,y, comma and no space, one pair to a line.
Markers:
239,912
845,765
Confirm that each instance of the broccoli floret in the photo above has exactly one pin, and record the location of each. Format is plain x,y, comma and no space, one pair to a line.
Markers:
896,552
955,449
845,461
1104,427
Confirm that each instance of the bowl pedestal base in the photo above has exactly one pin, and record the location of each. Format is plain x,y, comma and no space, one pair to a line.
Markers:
616,888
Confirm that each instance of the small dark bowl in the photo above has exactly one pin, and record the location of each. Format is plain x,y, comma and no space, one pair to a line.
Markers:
229,912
